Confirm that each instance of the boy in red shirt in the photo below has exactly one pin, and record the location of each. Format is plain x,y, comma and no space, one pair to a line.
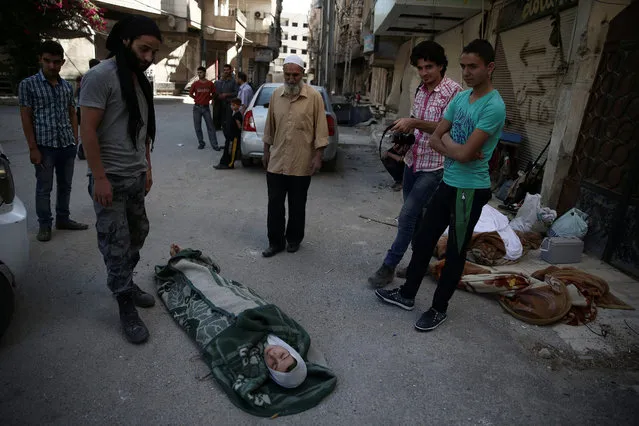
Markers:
203,91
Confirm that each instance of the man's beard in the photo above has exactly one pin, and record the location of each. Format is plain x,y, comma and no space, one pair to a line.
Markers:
292,89
134,62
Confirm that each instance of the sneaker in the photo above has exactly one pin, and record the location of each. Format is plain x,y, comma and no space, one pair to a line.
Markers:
382,277
134,328
430,320
217,148
141,298
397,186
222,167
394,298
201,146
44,233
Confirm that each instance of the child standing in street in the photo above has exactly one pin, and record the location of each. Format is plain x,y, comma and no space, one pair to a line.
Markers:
233,133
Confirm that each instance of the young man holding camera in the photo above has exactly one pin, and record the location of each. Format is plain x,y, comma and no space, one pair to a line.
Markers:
424,166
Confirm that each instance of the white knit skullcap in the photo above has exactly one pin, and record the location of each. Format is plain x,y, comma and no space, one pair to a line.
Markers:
294,59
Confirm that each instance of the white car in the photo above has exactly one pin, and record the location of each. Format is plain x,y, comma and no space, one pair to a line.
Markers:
252,146
14,242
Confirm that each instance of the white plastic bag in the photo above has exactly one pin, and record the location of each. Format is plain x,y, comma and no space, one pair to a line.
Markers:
572,224
527,213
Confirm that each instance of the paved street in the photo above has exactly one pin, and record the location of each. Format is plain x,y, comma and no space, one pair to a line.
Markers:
65,361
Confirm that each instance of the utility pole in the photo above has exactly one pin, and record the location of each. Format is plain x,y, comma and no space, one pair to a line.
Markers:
320,44
329,47
202,39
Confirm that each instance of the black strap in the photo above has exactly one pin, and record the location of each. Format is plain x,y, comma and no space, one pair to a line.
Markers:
382,140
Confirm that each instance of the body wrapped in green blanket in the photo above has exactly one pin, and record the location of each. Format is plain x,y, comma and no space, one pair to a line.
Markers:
231,323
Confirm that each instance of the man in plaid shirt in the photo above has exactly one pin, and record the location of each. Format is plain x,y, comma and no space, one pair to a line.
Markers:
424,166
50,125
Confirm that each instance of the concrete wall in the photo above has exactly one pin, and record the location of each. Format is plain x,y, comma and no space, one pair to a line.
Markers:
266,10
401,63
378,85
589,36
178,59
77,52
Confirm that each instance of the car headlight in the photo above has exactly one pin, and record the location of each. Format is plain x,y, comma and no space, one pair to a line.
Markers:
7,188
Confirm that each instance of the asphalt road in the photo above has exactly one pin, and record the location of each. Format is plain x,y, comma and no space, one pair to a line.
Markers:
64,360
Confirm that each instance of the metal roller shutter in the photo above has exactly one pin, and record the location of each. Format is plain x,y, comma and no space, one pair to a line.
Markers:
528,74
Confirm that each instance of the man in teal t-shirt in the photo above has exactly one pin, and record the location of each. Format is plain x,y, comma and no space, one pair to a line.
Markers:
466,136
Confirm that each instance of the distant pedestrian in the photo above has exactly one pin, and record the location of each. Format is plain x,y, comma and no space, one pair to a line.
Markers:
295,135
203,91
234,131
225,90
50,125
118,129
245,92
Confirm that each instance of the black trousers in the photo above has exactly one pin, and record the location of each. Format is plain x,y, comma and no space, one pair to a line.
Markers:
279,186
231,148
458,209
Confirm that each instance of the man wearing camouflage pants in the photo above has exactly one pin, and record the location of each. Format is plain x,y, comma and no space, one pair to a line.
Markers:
118,128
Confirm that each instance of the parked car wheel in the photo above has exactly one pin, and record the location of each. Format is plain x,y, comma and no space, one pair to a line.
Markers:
247,162
7,303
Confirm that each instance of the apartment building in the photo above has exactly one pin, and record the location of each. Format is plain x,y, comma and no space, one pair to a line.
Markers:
295,41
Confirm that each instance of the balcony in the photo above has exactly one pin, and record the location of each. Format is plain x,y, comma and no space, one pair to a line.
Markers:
228,27
146,7
259,27
421,18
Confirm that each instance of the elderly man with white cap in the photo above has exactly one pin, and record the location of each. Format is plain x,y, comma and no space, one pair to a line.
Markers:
295,136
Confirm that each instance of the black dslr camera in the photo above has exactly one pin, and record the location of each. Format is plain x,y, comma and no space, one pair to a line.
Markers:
398,139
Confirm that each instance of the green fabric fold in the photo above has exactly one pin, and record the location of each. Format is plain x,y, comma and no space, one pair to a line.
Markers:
463,206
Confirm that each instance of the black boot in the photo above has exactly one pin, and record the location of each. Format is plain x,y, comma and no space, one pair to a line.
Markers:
133,327
141,298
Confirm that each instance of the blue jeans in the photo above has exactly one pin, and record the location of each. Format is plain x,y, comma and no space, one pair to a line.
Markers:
418,188
200,111
60,160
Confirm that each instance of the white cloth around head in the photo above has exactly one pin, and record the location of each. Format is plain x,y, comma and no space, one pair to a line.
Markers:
293,378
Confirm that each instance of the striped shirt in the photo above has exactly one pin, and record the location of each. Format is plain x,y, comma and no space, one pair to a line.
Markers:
429,106
50,109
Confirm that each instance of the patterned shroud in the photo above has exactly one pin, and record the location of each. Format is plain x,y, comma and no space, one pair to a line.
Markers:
230,324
